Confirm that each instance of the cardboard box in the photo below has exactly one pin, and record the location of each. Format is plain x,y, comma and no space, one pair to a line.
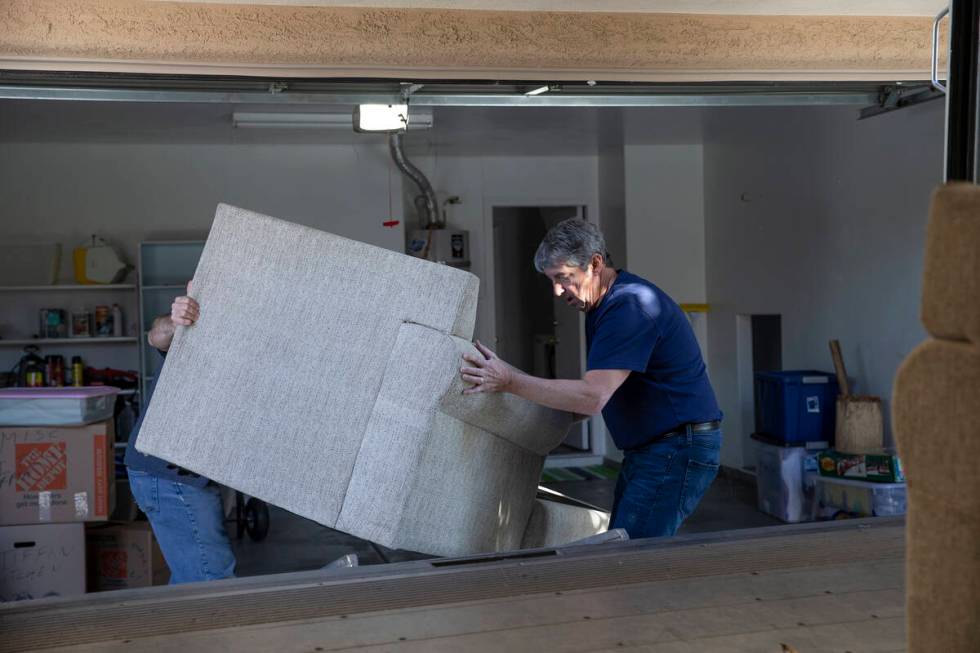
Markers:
877,468
56,473
123,556
41,560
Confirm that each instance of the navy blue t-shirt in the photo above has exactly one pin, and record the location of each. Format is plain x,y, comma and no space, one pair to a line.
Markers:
638,327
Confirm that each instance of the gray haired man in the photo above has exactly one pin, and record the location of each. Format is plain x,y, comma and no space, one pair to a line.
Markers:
645,374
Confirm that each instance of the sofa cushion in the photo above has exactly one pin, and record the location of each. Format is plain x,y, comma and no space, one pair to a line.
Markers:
951,278
271,390
553,523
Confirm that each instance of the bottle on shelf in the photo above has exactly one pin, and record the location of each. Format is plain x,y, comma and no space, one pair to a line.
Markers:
77,372
55,370
31,368
103,321
117,321
33,374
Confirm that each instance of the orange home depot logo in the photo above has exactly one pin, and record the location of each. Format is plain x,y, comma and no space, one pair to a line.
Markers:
41,466
101,476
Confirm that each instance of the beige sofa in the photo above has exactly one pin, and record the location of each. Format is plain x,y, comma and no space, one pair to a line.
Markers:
935,406
322,377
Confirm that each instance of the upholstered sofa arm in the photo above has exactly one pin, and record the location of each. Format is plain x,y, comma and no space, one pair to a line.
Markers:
524,423
552,524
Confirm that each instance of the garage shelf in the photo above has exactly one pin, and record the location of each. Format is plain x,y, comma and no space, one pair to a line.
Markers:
69,286
167,286
67,342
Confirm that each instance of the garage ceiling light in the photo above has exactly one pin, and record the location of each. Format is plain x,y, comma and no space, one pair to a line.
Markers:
381,117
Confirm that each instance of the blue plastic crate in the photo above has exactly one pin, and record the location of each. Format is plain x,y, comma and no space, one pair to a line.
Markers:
796,405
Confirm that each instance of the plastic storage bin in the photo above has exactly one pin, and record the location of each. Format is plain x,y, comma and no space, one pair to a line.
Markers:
56,406
858,498
796,406
784,490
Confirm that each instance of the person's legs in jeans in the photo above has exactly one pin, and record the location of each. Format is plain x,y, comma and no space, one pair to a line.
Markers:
188,522
660,485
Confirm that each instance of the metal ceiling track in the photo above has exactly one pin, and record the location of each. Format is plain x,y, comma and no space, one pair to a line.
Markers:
893,98
177,89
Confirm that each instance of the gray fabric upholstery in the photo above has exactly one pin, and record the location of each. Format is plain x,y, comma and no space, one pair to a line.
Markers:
323,377
523,423
553,524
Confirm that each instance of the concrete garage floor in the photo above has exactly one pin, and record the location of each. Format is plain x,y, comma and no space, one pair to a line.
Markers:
297,544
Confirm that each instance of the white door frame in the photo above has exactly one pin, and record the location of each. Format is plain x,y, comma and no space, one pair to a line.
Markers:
597,441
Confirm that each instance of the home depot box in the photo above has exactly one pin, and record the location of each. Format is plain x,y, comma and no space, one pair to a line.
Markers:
122,556
56,473
41,560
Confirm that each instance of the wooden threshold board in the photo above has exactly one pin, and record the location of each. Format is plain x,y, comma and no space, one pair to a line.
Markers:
820,586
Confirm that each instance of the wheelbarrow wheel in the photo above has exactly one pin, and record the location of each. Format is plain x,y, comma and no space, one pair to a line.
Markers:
256,519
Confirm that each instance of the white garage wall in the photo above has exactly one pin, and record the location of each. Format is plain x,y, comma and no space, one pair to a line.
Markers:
612,201
483,182
665,217
133,192
820,218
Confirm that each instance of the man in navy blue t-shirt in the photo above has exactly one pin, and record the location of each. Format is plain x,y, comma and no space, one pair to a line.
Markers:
184,509
645,374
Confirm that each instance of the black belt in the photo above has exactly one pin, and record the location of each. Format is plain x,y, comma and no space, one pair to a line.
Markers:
698,427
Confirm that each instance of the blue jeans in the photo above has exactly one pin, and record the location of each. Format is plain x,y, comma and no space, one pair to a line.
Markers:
189,524
661,484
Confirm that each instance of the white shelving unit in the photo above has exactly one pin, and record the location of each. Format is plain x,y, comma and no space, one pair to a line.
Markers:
165,267
20,308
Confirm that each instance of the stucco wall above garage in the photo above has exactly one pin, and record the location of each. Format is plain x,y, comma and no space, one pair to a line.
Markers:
330,41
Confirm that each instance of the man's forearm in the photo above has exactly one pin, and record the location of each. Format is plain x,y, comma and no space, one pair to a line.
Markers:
571,395
161,333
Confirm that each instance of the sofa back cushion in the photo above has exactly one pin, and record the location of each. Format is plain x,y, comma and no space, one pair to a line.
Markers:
271,392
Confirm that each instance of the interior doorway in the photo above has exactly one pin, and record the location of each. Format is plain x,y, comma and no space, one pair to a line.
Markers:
535,331
760,349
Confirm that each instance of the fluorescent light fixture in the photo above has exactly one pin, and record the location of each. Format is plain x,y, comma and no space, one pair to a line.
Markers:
381,117
291,120
420,118
539,90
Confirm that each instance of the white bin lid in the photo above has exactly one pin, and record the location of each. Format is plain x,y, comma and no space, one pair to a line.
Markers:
87,392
